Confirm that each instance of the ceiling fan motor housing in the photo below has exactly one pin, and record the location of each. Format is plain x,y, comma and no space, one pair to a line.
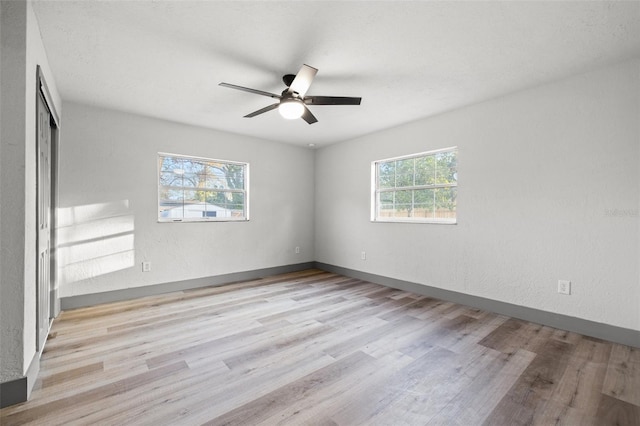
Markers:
289,95
288,79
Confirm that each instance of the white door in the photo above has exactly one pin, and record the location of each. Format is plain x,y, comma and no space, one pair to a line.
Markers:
44,220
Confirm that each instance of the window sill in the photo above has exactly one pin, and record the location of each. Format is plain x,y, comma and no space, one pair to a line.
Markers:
201,220
410,220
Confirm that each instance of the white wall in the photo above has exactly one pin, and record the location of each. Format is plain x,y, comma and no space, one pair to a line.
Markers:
22,51
549,183
108,204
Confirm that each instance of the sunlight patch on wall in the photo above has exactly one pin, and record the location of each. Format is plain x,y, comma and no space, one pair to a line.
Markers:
94,240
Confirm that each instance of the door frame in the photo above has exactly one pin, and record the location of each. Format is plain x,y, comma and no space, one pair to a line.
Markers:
54,300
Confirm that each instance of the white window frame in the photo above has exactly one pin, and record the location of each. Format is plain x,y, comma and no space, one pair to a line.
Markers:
244,190
376,191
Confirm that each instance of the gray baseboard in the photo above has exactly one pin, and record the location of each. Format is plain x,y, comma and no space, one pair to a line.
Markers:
564,322
13,392
598,330
85,300
16,391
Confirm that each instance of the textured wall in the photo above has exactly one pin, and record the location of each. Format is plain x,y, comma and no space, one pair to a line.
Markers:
22,51
549,188
12,102
108,204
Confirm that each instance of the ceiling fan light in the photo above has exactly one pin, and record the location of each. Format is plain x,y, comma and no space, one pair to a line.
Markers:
291,109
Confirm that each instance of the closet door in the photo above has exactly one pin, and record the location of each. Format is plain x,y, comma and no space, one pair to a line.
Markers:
44,220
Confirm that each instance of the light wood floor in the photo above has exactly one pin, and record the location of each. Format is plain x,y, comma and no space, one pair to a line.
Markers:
314,348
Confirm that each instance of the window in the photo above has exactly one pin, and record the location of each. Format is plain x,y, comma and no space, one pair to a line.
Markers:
415,188
194,189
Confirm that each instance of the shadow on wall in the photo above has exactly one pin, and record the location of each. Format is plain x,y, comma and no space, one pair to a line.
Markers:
93,240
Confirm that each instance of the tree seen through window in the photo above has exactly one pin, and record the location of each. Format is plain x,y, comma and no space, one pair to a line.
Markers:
196,188
421,187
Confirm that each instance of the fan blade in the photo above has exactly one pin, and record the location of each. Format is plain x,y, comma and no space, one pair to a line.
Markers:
303,80
308,117
262,110
246,89
331,100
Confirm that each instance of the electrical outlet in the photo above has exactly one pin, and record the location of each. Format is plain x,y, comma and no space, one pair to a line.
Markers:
363,255
146,266
564,286
297,250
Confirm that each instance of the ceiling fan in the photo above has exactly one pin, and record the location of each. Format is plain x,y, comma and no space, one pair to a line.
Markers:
292,103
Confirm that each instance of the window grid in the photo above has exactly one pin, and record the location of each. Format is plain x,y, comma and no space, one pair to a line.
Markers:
415,188
195,189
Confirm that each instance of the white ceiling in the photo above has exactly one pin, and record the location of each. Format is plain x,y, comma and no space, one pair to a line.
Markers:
407,60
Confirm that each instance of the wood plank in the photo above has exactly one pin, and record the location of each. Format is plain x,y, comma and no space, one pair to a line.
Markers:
262,408
623,374
384,401
613,411
71,374
538,381
98,393
583,378
476,403
363,381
